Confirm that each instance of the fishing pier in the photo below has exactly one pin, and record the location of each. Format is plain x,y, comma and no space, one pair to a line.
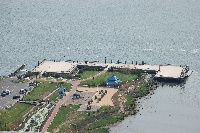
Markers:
161,72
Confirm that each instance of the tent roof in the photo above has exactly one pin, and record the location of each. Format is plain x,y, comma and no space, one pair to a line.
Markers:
61,89
113,78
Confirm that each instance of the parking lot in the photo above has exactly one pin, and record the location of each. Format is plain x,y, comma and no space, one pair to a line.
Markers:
7,84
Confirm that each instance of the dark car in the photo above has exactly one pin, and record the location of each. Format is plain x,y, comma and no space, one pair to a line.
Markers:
3,94
7,92
16,97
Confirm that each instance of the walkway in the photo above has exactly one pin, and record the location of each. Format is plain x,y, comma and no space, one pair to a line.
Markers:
65,98
59,104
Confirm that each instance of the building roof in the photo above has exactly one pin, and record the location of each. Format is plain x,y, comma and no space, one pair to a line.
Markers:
58,67
61,89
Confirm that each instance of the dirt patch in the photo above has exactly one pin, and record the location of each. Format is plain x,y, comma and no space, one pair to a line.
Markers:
103,96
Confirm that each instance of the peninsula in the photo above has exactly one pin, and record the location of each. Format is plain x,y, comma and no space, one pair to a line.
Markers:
73,96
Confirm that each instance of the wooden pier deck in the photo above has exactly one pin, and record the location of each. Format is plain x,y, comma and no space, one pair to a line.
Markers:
175,72
160,71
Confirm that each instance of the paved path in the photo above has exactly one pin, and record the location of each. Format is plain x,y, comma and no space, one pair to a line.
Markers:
59,104
65,98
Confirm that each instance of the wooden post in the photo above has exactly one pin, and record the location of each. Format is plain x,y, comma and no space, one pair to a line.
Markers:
142,62
105,60
36,79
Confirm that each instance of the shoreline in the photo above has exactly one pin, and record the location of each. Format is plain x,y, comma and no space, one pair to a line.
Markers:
126,98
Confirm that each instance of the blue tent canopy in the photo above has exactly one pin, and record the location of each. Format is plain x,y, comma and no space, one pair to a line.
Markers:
113,80
61,89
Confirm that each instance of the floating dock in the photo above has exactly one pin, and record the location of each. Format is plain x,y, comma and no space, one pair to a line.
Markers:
162,72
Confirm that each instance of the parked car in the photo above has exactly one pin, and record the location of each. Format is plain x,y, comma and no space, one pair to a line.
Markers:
22,91
7,92
3,94
16,97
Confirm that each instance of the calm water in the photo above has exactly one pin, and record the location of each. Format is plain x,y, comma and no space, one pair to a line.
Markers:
153,31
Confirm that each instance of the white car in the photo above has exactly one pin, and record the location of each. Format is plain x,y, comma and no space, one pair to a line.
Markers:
8,92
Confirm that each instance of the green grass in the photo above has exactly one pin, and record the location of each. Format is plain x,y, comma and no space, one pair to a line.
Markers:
142,91
101,79
71,120
43,89
129,104
53,96
108,120
87,74
68,86
12,117
62,115
101,130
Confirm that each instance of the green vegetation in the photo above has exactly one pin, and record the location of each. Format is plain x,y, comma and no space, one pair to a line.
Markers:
101,130
12,117
87,74
129,104
53,97
69,119
101,79
107,121
68,86
44,88
142,91
62,115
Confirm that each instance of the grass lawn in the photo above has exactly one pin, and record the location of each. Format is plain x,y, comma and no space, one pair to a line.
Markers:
69,119
101,79
43,89
53,97
62,115
68,86
87,74
12,117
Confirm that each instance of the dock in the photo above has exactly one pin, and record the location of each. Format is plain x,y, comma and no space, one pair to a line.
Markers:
176,73
161,72
18,70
